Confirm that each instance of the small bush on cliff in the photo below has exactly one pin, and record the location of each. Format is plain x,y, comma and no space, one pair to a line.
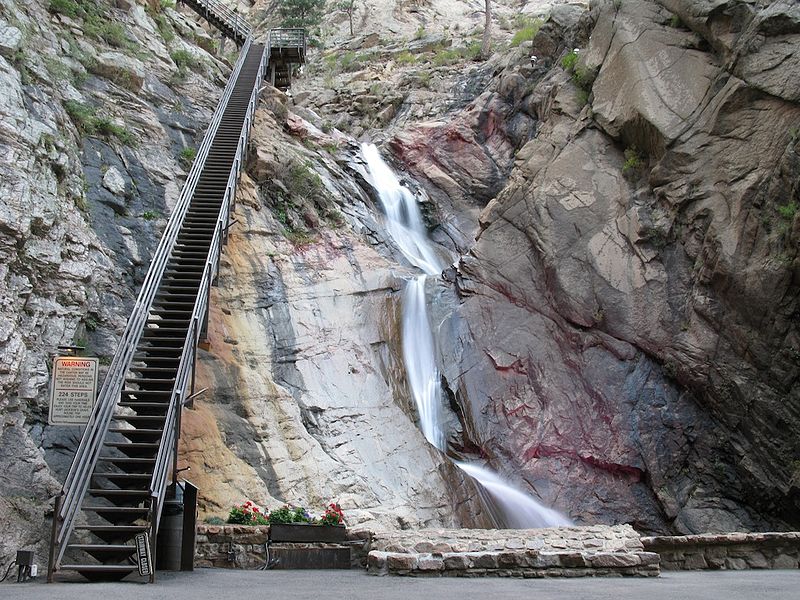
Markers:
108,31
68,8
188,155
569,61
182,58
788,211
90,123
530,27
633,160
164,27
405,58
303,182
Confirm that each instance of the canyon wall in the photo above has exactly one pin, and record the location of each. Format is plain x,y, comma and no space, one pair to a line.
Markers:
623,335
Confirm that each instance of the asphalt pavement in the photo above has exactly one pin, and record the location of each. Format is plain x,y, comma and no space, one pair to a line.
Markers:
226,584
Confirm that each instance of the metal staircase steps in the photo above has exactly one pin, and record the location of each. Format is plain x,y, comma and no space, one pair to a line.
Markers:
117,483
132,456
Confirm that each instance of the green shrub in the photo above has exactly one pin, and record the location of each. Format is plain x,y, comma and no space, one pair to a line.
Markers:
569,61
68,8
150,215
528,32
446,56
405,58
108,129
111,32
303,182
788,211
187,155
81,114
183,59
164,28
89,123
633,160
424,79
419,33
164,4
471,51
350,61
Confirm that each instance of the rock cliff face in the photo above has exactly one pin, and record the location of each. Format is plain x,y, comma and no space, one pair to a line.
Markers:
624,335
620,336
305,371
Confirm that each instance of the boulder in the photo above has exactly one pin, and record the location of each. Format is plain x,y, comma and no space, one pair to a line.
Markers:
114,182
10,40
120,68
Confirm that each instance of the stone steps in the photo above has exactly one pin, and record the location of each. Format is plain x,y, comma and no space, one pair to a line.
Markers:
590,551
514,563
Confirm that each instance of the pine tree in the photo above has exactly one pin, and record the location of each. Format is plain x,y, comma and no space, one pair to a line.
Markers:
301,13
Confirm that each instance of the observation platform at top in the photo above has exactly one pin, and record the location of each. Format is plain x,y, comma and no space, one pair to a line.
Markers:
285,47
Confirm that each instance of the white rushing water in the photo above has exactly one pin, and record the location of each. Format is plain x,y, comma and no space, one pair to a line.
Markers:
403,219
405,226
420,362
519,510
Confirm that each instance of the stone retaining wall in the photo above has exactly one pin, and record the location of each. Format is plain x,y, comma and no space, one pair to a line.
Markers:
727,551
230,546
566,552
593,538
244,547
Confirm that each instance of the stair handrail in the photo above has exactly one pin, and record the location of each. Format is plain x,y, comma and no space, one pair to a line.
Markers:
232,18
88,451
167,449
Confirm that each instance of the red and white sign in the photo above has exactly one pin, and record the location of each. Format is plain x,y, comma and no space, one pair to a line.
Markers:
73,390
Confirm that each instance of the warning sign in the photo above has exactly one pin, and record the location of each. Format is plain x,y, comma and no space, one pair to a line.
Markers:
73,390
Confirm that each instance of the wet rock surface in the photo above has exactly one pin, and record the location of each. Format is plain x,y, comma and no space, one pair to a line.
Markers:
308,390
629,310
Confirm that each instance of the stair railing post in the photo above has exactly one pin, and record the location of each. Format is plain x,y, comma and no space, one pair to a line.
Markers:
179,409
190,404
51,561
153,533
204,328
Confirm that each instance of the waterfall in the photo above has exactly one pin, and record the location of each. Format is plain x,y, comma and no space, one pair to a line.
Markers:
403,219
405,226
420,362
519,510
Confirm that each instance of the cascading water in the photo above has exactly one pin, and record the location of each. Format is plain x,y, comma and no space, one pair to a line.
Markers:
420,362
404,224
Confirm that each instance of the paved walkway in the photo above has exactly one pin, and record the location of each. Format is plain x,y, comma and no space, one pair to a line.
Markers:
222,584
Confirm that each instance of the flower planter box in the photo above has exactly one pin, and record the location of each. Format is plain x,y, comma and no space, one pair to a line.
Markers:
298,532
